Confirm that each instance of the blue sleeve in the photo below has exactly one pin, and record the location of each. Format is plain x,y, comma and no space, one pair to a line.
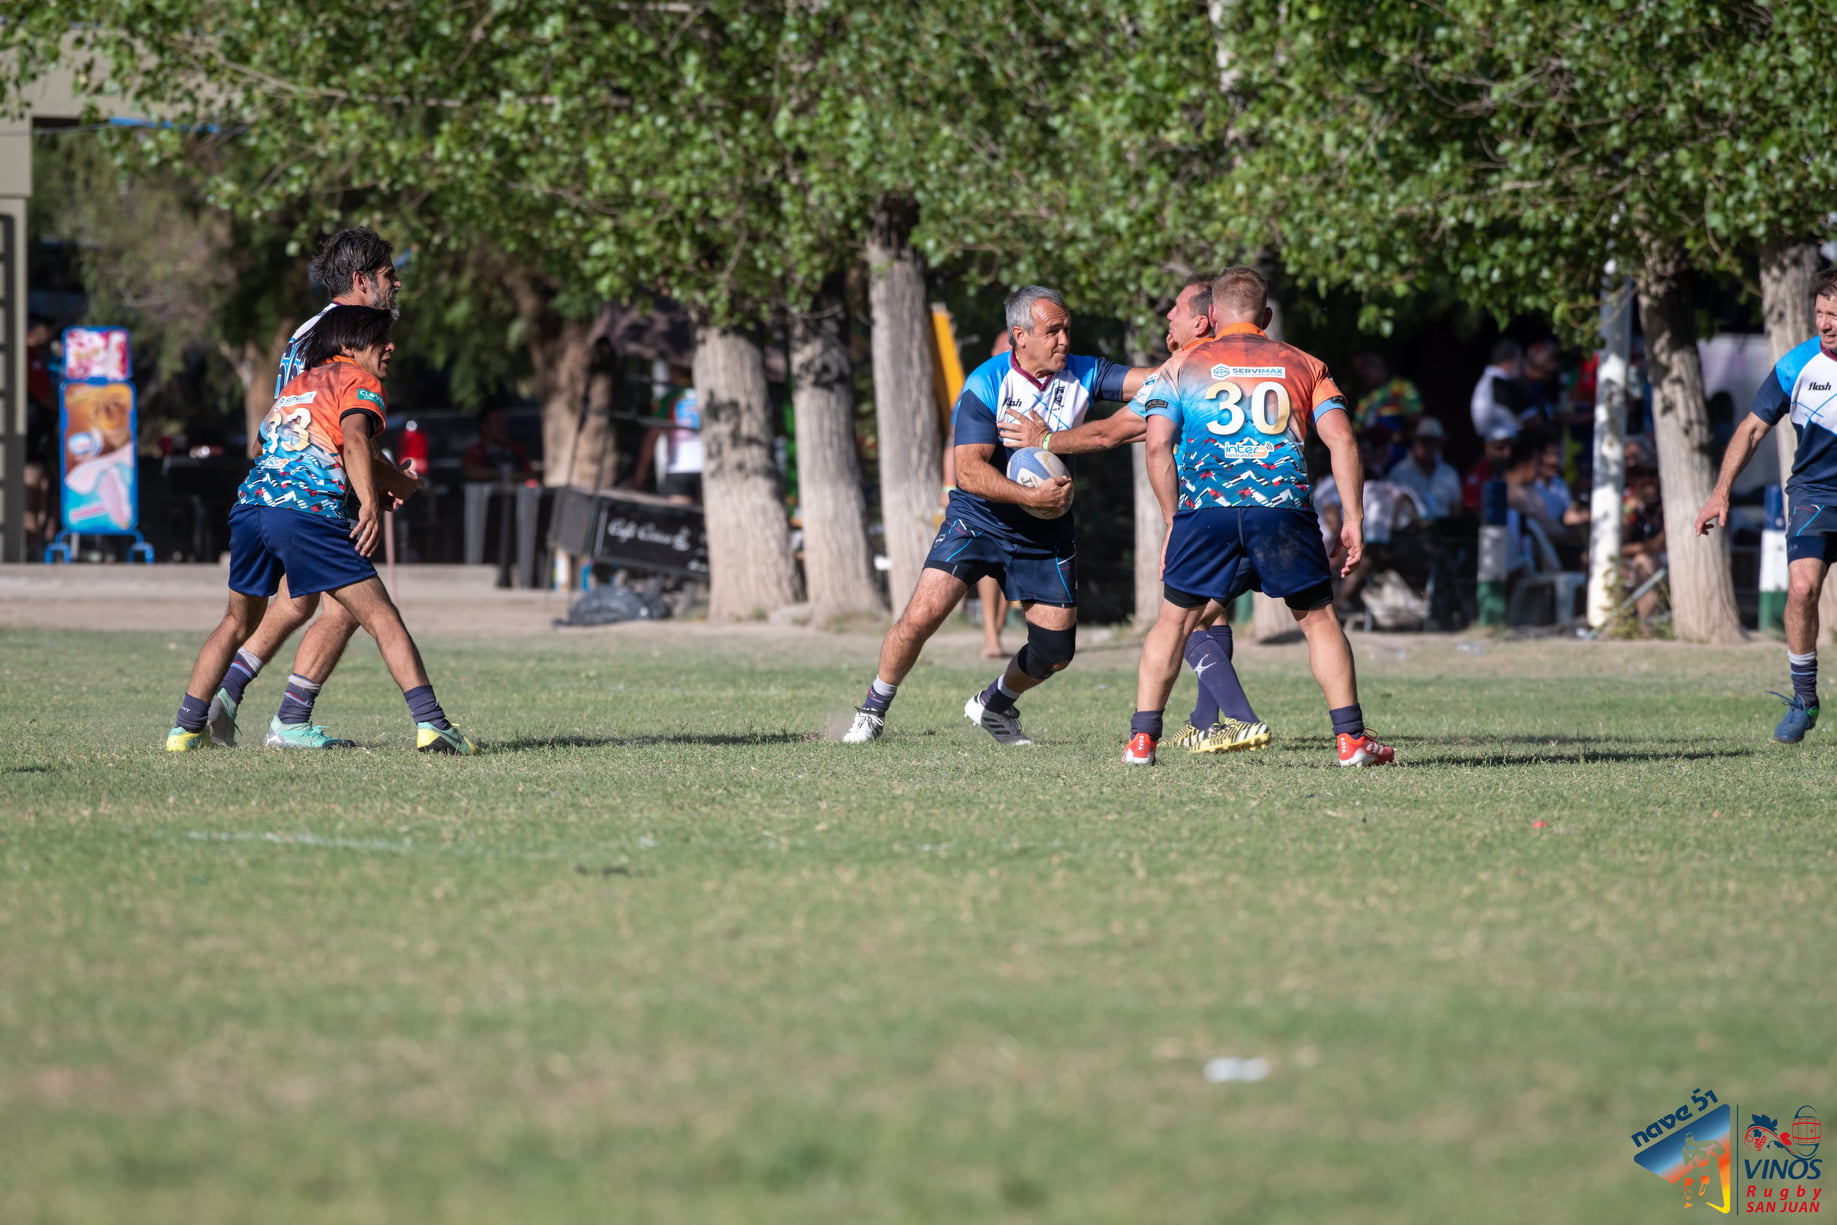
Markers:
1101,377
975,421
1337,403
1773,398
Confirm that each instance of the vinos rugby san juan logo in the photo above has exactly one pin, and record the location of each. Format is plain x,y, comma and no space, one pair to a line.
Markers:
1704,1149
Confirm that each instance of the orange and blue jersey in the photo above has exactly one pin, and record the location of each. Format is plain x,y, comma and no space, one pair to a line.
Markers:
302,461
1243,406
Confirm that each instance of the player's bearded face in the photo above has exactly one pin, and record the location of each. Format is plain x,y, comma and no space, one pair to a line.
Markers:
381,287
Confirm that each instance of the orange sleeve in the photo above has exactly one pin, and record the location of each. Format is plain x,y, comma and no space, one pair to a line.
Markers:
358,392
1324,387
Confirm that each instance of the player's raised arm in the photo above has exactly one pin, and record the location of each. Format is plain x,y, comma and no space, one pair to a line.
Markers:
1334,426
1742,445
1119,429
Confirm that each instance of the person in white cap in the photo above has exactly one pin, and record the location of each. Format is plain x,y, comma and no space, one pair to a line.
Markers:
1424,473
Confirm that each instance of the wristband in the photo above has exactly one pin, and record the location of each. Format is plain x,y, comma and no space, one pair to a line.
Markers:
950,489
1046,442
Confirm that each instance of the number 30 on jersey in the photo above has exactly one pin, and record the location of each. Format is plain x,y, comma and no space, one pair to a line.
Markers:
1268,407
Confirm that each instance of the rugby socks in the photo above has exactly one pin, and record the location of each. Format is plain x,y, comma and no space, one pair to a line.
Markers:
1347,720
1146,721
423,707
999,698
192,713
1208,654
1804,676
297,702
243,669
879,696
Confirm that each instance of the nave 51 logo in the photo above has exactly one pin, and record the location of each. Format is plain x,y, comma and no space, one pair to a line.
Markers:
1694,1148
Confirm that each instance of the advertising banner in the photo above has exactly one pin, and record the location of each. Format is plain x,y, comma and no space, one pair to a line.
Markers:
97,355
96,430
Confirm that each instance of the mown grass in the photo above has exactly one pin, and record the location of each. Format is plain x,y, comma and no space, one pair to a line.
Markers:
669,954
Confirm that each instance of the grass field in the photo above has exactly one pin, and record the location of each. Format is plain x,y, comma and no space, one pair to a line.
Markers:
669,954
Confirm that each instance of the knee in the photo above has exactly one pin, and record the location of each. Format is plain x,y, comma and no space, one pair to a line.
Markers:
1047,651
1801,590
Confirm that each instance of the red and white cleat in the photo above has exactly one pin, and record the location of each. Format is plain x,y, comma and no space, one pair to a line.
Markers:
1364,750
1140,751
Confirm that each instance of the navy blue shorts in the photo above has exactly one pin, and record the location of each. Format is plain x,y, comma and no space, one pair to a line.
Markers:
1812,532
1220,552
314,552
1032,575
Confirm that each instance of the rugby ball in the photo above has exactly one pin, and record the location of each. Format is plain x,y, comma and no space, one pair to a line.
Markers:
1032,467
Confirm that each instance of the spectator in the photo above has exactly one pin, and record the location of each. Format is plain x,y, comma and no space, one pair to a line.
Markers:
494,456
41,440
681,479
1490,467
1642,535
1555,489
1389,508
1393,403
1436,485
1540,392
1524,494
1498,398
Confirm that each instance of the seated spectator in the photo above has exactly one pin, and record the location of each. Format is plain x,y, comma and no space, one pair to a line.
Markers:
1555,489
1499,397
1389,509
1524,495
1436,485
1393,403
1491,467
494,456
1642,535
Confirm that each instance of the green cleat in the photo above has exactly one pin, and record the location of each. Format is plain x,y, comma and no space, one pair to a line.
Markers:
431,739
1233,736
178,740
221,722
302,736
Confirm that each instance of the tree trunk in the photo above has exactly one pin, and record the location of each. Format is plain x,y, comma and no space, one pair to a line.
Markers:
750,567
1702,592
256,369
911,452
1604,503
1786,274
838,563
561,353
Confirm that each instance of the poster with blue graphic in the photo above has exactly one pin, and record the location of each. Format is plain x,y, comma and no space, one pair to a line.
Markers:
97,429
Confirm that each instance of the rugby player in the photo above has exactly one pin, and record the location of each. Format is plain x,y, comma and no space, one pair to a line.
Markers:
1227,418
357,265
318,446
987,529
1222,720
1802,388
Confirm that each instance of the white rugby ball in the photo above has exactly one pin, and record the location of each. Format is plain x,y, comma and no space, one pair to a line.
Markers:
1032,467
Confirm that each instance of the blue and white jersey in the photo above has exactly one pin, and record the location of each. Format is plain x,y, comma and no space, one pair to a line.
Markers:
293,357
1000,388
1803,386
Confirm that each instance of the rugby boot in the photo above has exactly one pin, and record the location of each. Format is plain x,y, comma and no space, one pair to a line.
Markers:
1140,751
1005,728
178,740
1364,750
867,726
1189,737
302,736
1230,735
1799,719
431,739
221,722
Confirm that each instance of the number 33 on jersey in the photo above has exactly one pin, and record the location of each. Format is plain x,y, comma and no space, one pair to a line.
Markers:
1243,406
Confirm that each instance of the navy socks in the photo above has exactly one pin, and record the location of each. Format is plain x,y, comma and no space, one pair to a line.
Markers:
998,697
423,707
243,669
879,696
297,702
1208,653
192,713
1146,721
1347,720
1804,676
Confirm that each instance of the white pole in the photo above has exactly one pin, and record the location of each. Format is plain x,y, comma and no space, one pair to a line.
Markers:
1610,446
